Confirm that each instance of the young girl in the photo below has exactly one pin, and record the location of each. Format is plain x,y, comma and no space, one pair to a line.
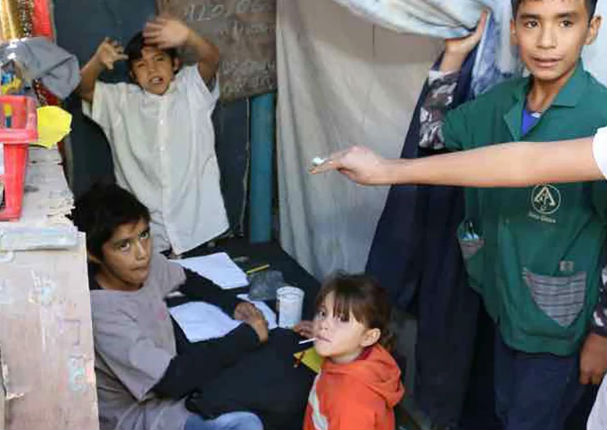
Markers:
359,382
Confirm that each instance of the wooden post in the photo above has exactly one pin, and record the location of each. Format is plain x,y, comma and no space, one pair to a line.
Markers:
263,114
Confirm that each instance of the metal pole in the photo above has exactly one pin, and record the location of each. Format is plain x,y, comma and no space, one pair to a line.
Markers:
262,146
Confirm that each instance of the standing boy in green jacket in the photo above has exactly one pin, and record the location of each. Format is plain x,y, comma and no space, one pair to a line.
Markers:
535,254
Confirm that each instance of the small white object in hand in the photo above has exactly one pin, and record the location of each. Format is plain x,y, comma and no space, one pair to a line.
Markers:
301,342
317,161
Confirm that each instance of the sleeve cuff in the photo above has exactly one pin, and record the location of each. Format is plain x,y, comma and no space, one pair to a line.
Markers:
230,306
92,109
214,88
247,336
191,77
437,75
87,109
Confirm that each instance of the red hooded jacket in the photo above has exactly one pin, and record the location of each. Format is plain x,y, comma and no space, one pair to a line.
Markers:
359,395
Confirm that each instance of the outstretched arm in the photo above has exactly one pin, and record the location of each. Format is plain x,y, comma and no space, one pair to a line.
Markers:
442,84
505,165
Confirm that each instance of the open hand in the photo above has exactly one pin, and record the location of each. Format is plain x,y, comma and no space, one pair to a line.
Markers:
457,49
166,33
358,163
593,359
108,52
245,311
248,313
465,45
305,329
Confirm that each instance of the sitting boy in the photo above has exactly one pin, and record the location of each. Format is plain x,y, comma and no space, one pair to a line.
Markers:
141,379
160,130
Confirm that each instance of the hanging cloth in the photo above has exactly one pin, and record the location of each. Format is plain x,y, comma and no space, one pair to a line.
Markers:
416,257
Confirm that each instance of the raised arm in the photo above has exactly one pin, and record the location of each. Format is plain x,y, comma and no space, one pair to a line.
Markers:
168,33
506,165
106,55
442,84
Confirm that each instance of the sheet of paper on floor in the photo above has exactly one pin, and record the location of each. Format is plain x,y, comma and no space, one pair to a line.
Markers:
219,268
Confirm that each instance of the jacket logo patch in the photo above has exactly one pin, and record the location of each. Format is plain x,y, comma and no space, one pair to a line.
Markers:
545,199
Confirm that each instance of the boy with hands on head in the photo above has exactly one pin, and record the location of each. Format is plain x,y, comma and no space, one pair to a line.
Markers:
160,130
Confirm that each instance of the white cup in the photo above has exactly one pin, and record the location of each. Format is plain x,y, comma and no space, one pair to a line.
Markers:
289,301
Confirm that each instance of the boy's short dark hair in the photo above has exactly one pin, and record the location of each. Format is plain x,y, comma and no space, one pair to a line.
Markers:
101,210
135,46
590,6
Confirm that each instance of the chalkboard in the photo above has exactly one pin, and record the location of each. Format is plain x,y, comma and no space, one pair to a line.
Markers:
244,31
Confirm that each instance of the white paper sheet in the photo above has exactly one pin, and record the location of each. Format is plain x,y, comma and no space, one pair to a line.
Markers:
219,268
202,321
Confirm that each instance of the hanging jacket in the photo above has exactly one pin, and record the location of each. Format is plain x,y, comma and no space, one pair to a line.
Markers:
416,257
357,395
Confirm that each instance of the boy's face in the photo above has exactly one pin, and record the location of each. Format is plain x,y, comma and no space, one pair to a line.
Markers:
154,71
550,35
126,257
341,341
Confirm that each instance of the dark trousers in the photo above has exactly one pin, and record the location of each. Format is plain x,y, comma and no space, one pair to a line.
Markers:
534,391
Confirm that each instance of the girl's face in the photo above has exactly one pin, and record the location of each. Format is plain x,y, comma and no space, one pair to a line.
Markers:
341,341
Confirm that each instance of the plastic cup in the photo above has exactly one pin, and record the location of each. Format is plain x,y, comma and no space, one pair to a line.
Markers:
289,301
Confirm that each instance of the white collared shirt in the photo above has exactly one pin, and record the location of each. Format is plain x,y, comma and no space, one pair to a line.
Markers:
599,149
163,148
